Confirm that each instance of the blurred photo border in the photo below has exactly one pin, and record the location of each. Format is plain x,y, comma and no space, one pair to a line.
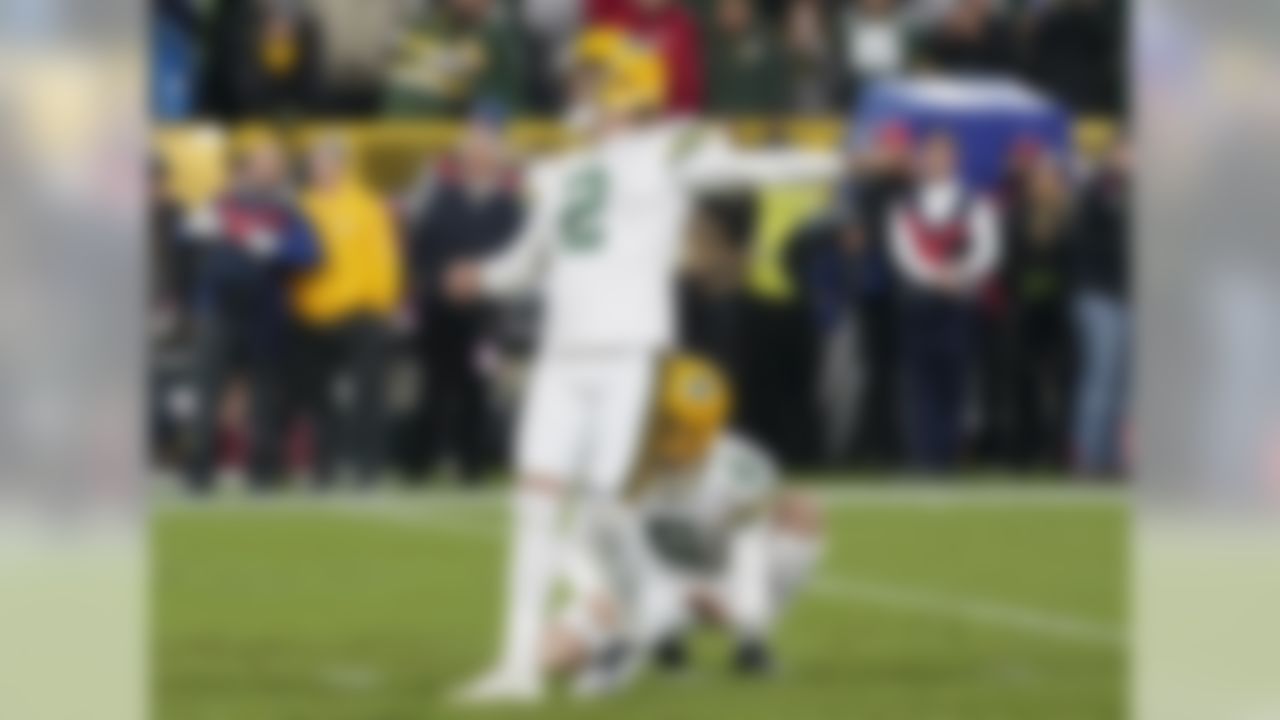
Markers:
73,536
74,557
1206,539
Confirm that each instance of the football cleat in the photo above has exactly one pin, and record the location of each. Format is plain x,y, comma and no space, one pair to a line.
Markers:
753,659
672,655
611,670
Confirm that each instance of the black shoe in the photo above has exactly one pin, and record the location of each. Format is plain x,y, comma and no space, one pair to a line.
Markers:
612,669
753,659
671,655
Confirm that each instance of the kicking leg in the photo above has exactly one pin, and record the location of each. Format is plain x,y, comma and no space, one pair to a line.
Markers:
530,575
623,397
589,619
549,428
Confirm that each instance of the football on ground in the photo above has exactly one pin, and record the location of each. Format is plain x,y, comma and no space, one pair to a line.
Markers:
981,601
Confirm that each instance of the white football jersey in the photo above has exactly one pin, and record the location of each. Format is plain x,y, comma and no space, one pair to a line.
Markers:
691,517
603,238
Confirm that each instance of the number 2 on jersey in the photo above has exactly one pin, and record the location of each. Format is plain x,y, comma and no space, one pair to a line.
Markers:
580,221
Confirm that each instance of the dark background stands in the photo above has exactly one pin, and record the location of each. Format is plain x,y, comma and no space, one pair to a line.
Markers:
971,37
1075,51
439,57
263,58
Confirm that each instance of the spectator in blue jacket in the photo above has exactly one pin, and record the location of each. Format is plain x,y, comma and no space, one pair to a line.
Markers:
467,206
882,180
250,243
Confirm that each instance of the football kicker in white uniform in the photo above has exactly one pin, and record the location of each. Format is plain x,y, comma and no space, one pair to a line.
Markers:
725,547
602,245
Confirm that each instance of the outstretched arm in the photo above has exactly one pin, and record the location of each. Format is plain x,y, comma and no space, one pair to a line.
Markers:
706,160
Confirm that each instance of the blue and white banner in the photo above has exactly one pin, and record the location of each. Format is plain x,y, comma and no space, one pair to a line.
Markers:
987,116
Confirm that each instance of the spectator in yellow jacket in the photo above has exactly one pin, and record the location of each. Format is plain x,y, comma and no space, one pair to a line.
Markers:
344,309
362,271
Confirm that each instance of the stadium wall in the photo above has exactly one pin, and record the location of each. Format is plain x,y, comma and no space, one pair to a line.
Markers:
391,152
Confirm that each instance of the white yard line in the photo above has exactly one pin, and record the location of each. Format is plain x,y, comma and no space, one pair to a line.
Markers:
973,611
883,595
928,495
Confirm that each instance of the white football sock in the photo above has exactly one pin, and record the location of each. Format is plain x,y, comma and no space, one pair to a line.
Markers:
793,560
649,604
751,610
530,575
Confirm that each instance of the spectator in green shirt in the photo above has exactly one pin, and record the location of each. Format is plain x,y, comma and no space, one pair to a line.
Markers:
743,69
456,54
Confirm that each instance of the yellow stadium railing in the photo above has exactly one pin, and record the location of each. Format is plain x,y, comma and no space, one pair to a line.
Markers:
391,152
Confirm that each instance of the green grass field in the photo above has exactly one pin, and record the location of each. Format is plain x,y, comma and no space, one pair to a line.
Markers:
975,603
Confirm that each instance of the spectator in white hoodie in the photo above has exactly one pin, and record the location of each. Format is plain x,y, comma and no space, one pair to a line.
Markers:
876,40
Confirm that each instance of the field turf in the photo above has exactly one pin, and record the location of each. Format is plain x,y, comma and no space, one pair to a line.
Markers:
974,603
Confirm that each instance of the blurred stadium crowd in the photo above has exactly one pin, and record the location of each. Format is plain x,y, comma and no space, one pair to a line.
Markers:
336,58
298,320
304,323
